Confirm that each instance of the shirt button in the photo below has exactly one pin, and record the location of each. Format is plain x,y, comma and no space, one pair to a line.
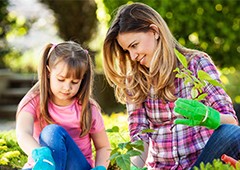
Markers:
174,148
176,163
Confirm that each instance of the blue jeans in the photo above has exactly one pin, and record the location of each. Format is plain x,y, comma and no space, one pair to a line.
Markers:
224,140
65,152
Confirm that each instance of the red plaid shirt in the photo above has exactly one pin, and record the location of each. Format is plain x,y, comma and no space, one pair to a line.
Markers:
177,147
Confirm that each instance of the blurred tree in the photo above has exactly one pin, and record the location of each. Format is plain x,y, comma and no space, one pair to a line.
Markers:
4,23
211,26
76,20
11,25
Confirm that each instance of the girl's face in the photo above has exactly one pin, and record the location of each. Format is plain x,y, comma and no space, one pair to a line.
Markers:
140,45
63,88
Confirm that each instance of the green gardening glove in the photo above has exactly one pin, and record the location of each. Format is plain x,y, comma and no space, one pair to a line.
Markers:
43,159
196,114
99,168
136,168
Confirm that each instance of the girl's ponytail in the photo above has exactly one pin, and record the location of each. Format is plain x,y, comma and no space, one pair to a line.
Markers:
44,86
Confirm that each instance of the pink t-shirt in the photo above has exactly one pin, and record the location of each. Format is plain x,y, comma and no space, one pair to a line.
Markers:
68,117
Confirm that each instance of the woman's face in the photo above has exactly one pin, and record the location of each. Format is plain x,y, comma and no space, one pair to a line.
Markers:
140,45
63,88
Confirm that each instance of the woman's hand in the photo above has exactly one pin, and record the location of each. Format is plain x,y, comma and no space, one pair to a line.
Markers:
196,114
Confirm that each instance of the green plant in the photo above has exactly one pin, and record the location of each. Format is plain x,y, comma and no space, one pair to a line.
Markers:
11,154
198,82
216,165
122,152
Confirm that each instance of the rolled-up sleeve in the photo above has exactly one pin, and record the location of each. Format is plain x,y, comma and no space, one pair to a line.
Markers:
217,97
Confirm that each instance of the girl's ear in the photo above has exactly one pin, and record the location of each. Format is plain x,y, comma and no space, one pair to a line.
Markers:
155,31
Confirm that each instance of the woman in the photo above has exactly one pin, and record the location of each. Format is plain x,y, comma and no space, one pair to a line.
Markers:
139,62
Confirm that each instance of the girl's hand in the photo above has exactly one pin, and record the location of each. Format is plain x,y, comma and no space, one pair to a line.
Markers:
43,159
196,114
99,168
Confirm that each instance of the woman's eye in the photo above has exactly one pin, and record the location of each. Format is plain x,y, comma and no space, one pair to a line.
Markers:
134,46
61,80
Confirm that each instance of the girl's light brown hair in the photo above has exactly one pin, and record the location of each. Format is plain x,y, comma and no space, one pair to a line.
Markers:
132,81
79,66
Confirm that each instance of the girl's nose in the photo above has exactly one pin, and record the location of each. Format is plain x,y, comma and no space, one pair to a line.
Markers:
67,86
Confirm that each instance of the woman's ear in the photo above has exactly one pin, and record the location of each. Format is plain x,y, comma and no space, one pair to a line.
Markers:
155,31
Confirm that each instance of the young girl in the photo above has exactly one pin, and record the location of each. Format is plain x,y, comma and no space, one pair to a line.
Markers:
57,119
139,62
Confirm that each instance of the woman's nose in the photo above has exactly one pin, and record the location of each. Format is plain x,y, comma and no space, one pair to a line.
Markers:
133,56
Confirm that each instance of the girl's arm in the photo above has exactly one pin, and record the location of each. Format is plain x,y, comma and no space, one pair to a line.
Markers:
24,132
102,147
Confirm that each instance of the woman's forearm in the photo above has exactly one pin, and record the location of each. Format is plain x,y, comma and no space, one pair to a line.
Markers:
228,119
139,161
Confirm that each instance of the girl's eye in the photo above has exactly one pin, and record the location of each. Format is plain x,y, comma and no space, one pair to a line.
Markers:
60,79
75,82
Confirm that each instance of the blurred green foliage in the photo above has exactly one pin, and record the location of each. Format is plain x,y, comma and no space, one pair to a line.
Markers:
11,26
209,25
4,49
10,153
231,79
76,20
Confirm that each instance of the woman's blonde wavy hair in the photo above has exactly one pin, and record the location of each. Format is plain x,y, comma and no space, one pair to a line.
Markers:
132,81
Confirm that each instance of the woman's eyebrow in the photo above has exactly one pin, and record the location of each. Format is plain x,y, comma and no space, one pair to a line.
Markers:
131,43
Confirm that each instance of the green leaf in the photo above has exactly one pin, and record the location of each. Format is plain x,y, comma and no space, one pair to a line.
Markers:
123,145
123,161
114,129
114,151
176,70
148,131
202,75
205,76
115,155
179,75
216,83
138,145
133,153
194,93
201,97
181,58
